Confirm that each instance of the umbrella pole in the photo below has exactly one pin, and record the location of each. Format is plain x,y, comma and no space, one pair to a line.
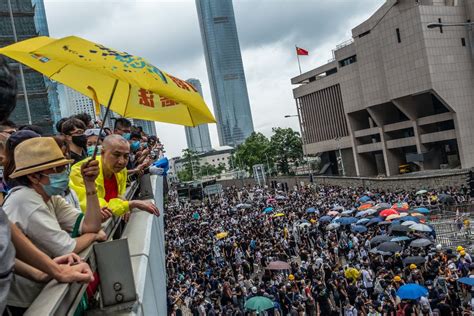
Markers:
105,117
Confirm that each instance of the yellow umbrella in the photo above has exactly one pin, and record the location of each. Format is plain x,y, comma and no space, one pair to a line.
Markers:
279,215
222,235
352,273
129,85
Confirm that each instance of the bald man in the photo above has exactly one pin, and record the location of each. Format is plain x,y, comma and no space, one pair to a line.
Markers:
112,180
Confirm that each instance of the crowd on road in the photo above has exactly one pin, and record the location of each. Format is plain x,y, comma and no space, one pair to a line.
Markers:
56,191
314,251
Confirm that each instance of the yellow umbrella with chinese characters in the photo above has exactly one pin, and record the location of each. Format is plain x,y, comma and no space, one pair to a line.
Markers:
128,85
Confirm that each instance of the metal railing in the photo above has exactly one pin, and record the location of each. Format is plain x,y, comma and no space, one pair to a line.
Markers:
63,298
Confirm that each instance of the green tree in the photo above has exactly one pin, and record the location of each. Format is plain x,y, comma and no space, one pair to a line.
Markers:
191,163
255,150
221,167
184,176
208,170
286,148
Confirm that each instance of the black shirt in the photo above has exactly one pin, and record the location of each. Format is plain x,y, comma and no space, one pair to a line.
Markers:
77,157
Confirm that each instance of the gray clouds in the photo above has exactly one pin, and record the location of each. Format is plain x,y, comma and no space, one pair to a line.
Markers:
167,34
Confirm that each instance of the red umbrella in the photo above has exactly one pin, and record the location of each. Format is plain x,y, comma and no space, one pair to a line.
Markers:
388,212
400,206
278,265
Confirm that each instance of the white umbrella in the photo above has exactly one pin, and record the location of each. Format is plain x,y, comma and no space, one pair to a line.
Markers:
409,223
333,226
304,225
421,227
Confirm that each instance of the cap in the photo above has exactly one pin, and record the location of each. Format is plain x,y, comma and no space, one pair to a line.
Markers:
412,266
459,248
291,277
462,253
397,278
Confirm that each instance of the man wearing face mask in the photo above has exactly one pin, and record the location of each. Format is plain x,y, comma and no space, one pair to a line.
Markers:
74,129
123,127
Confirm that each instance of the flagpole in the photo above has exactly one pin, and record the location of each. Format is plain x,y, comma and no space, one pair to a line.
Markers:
298,57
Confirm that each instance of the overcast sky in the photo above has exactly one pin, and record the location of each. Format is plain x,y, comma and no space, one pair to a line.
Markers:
167,34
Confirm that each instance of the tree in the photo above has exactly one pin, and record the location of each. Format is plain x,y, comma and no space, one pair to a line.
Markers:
184,176
255,150
221,167
208,170
191,163
286,148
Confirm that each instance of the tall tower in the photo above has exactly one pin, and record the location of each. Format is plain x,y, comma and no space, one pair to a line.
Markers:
198,137
38,108
225,71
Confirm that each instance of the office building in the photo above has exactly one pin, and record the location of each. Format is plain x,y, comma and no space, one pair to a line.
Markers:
38,110
148,126
198,138
397,94
77,103
225,71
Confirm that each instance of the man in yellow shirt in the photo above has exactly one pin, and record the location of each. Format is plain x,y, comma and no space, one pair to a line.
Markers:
112,180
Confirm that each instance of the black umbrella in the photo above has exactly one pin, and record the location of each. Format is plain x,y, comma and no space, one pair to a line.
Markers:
446,199
414,260
379,239
384,223
389,246
399,228
419,243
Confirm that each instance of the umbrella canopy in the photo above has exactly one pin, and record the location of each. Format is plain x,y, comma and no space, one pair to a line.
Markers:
325,219
419,243
347,213
388,212
268,210
421,227
401,238
352,273
374,220
379,239
418,215
302,225
408,223
414,260
411,291
410,218
333,213
129,84
364,199
384,223
280,197
400,206
383,206
467,281
346,220
222,235
421,192
333,226
364,206
389,246
278,265
279,215
422,210
258,304
363,221
399,228
359,229
393,216
371,211
361,214
443,198
271,201
311,210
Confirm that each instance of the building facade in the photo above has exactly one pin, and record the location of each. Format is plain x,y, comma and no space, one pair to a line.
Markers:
41,24
198,138
148,126
397,94
215,157
77,103
225,71
37,92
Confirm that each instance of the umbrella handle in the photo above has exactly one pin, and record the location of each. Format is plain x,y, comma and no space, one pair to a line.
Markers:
105,116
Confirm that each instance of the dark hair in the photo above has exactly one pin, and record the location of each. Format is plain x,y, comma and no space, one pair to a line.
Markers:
72,124
122,122
35,128
7,123
86,118
8,90
135,135
61,141
59,124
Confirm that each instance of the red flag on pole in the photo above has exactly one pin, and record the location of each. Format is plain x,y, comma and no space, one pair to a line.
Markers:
301,51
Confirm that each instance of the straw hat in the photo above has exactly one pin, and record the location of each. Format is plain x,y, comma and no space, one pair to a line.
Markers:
37,154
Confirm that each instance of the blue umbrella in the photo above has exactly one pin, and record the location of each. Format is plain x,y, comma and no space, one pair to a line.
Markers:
361,214
268,210
401,238
468,281
411,291
359,229
363,220
396,222
346,220
374,220
325,219
409,218
311,210
422,210
364,199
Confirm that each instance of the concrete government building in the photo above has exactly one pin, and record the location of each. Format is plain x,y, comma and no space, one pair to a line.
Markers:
397,93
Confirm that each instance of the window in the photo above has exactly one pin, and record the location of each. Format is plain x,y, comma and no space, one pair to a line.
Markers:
463,41
399,39
440,27
347,61
364,34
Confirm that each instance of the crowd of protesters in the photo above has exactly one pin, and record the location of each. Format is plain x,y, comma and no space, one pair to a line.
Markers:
222,253
57,191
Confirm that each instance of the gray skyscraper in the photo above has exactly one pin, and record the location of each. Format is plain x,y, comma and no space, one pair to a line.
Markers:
225,71
198,138
24,21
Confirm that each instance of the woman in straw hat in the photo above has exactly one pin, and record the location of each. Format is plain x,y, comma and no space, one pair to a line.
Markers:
36,207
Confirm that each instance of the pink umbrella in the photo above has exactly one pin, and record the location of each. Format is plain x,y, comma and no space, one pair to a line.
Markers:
388,212
333,213
278,265
271,201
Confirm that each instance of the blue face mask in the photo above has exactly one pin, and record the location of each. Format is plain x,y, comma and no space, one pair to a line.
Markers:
145,145
58,183
126,136
134,146
90,150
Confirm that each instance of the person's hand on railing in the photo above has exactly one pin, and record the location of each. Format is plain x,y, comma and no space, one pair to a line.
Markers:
80,272
106,213
70,259
146,206
101,236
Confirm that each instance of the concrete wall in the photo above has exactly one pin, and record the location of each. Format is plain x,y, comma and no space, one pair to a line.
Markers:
440,180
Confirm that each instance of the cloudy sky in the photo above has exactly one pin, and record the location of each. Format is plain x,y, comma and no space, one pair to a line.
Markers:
166,32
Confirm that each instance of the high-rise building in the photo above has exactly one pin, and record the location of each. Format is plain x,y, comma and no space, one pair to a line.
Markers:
148,126
37,93
198,137
225,71
77,103
41,24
